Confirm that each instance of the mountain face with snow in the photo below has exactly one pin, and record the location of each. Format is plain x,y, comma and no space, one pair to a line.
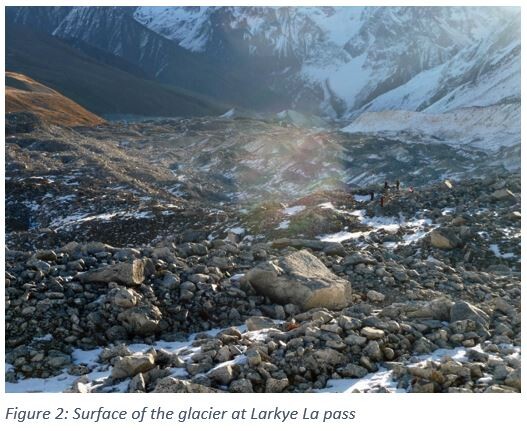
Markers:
336,62
350,59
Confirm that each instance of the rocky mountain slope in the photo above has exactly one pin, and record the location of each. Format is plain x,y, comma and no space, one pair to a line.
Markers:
22,94
155,256
98,81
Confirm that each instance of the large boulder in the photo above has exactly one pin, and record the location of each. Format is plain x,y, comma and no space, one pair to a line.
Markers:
437,309
127,273
302,279
125,298
223,374
141,320
131,365
464,311
444,239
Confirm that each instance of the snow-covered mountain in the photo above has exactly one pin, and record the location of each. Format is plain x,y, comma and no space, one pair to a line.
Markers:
352,58
488,127
332,61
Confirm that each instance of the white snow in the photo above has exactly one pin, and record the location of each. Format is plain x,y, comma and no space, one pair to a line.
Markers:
489,127
382,378
79,218
283,225
229,114
341,236
327,205
100,372
237,230
290,211
496,250
47,337
362,198
389,224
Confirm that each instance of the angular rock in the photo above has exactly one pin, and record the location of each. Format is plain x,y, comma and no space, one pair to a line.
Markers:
353,370
356,258
170,281
301,279
276,385
373,350
462,310
329,356
241,386
222,374
130,274
372,333
141,320
375,296
445,239
131,365
126,298
438,309
173,385
334,249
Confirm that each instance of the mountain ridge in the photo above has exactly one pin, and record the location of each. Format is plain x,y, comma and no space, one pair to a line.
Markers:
328,61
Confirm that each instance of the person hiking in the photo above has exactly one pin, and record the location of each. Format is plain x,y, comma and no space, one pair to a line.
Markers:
397,184
382,201
372,195
386,184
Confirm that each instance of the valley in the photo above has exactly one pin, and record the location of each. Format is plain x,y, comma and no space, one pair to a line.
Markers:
262,200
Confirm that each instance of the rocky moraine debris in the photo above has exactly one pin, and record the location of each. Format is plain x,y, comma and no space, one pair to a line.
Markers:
166,295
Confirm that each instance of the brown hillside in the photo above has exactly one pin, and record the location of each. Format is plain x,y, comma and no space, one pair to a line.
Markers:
24,94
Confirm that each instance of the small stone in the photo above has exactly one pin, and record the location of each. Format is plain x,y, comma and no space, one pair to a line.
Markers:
170,281
372,333
253,358
373,351
276,385
241,386
355,340
388,353
375,296
353,370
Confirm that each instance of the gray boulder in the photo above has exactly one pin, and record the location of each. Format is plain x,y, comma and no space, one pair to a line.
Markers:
126,273
464,311
301,279
141,320
438,309
131,365
445,239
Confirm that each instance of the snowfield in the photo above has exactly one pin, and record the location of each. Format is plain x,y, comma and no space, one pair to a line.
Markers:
487,128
